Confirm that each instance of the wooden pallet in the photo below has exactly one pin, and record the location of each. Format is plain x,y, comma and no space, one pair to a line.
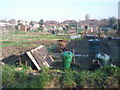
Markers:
40,57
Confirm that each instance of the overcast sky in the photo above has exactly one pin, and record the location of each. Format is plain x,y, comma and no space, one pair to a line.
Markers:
59,10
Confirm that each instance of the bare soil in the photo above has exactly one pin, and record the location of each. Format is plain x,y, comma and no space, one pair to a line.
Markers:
109,47
11,54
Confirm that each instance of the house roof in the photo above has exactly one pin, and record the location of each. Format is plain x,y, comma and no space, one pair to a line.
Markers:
68,21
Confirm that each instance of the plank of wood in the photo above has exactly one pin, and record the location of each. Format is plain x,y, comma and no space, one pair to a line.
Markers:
51,58
40,56
48,58
36,58
33,60
43,58
44,53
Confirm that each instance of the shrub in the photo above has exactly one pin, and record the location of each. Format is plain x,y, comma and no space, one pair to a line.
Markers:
38,81
10,76
45,69
106,77
53,47
90,79
35,81
100,78
111,71
86,79
68,79
7,76
112,76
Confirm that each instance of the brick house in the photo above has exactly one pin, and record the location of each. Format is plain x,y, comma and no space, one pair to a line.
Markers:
90,26
71,25
23,28
51,23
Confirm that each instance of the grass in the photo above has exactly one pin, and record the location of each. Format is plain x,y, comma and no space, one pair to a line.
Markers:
10,76
68,79
27,35
92,79
39,81
20,79
106,77
99,78
19,38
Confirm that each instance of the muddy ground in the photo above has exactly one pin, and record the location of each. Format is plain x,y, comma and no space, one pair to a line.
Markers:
11,53
109,47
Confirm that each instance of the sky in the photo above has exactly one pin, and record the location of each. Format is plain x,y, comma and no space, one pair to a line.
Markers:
59,10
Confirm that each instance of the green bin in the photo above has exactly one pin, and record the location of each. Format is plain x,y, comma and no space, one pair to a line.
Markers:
67,59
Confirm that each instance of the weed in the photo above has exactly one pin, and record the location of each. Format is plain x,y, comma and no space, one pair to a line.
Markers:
39,81
99,78
68,79
106,77
53,47
111,71
86,79
45,69
8,75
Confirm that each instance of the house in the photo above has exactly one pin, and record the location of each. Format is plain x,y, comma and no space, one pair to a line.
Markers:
23,28
51,23
34,27
91,22
70,25
25,23
19,22
12,21
90,26
6,25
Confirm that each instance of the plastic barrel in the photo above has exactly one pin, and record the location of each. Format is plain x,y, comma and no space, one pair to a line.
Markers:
67,59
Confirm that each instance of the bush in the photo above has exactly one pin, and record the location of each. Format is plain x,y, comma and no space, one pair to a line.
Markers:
100,78
44,69
53,47
39,82
86,79
112,76
7,76
89,79
10,76
106,77
68,79
111,71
